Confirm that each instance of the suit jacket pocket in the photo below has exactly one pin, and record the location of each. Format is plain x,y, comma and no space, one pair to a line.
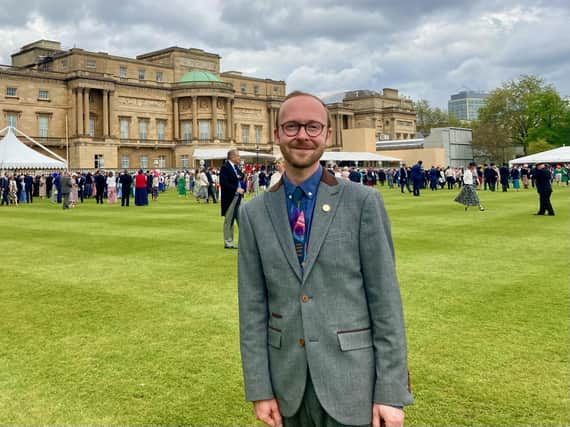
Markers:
355,340
274,337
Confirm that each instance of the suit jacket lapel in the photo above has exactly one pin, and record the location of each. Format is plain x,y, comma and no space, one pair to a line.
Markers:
277,208
325,209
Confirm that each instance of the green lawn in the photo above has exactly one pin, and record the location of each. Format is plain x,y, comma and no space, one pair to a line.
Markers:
114,316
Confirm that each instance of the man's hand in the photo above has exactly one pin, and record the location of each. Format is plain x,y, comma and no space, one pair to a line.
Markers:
393,417
268,412
240,190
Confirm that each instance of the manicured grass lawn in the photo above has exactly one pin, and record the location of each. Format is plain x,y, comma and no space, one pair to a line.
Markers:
114,316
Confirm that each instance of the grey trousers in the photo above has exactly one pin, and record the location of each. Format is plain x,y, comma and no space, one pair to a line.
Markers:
311,413
231,214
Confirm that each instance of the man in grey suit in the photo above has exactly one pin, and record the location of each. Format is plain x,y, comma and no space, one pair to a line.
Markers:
66,185
321,325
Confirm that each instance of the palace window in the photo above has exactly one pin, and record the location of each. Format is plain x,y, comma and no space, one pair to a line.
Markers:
11,91
256,90
141,74
144,162
123,71
258,134
245,134
12,119
160,127
90,63
186,130
63,64
159,76
125,161
220,129
143,129
99,161
161,162
91,126
43,126
243,88
43,95
184,161
276,89
124,128
204,126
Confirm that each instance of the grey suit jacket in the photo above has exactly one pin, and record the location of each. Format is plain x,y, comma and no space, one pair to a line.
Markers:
341,318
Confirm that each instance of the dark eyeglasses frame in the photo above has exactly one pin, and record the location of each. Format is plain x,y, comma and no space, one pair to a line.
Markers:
303,125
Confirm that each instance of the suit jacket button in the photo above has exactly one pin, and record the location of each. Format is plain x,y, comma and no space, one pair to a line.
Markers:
305,298
301,342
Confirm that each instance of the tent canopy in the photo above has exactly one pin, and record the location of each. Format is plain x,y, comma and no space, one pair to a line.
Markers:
16,155
222,153
357,156
556,155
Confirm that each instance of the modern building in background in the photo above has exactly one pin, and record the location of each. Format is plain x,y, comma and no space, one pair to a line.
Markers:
465,105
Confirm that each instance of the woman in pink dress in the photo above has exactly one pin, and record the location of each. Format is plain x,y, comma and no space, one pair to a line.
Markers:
111,189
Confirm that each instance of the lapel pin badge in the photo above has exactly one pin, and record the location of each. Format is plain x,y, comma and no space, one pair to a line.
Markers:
326,208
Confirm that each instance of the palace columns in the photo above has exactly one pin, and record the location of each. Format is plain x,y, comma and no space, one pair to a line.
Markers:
194,117
176,115
105,113
229,121
79,115
86,111
111,111
215,117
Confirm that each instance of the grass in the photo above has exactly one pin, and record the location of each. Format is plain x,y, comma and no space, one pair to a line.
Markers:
111,316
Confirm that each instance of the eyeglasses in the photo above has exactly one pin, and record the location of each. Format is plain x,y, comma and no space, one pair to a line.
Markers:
312,129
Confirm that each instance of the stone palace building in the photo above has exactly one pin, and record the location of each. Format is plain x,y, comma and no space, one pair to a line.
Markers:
154,110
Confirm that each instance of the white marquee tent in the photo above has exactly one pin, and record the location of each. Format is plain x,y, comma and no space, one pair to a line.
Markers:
222,153
356,156
16,155
556,155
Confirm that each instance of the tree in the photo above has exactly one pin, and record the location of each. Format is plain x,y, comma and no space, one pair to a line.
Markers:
491,143
539,146
428,117
527,109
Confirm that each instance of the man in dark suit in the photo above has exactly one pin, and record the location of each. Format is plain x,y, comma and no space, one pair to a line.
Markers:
231,195
504,174
126,181
321,325
544,188
29,187
403,177
417,175
100,182
57,185
211,186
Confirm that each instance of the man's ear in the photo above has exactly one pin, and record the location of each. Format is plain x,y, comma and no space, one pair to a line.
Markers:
276,135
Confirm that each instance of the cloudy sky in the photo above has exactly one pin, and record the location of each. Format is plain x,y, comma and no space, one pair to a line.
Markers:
427,49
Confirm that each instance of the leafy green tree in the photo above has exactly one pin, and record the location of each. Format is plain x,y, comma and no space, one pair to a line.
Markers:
428,117
539,146
527,110
491,143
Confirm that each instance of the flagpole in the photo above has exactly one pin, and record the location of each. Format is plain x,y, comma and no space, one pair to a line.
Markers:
66,143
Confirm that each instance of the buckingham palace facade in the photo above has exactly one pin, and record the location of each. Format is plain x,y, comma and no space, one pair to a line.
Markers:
154,110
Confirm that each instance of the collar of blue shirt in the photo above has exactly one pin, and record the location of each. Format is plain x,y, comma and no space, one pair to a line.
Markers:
309,186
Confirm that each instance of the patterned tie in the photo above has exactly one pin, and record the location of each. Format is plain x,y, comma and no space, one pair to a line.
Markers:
297,218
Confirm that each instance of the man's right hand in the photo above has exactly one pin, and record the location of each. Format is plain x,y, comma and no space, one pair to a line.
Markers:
268,412
240,191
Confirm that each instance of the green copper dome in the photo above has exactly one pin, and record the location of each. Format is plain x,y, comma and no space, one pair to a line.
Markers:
195,76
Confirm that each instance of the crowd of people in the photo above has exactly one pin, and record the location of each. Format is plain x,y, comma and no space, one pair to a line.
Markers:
204,183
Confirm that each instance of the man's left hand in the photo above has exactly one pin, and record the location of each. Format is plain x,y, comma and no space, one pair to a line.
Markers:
393,417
